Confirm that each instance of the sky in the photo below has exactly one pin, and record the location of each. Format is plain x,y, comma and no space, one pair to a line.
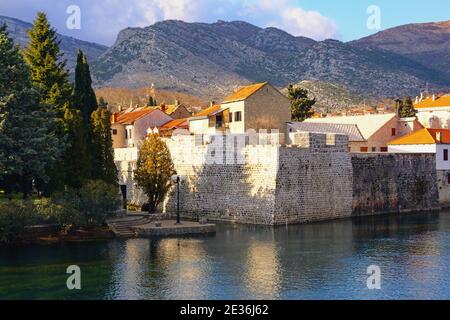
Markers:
101,20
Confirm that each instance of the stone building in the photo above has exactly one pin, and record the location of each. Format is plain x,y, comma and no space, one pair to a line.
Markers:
255,107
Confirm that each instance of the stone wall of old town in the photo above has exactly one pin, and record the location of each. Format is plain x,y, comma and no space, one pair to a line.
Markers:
272,184
313,178
392,183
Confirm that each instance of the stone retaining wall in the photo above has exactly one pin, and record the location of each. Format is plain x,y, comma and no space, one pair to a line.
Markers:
391,183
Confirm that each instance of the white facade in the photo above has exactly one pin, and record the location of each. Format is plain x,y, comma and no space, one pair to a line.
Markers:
435,118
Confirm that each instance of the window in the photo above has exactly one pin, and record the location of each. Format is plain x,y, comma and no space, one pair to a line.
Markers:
230,117
364,149
448,178
374,149
114,131
126,134
238,116
393,132
445,154
384,149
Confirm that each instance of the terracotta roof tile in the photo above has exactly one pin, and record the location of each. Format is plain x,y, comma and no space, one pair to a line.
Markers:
244,92
176,123
424,136
208,111
131,117
439,102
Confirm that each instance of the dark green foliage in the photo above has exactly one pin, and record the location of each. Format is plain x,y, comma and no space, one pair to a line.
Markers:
15,216
405,108
28,144
103,167
84,98
47,67
102,103
151,102
49,76
90,206
76,160
301,104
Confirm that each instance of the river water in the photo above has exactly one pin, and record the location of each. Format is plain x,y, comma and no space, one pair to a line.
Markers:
319,261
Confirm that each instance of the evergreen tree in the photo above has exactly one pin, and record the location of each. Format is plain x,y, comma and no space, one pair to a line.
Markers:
301,105
154,170
47,67
151,102
27,141
102,149
102,103
84,98
49,76
76,160
405,108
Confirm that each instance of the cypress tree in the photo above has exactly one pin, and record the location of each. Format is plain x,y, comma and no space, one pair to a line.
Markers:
83,95
405,108
102,150
27,142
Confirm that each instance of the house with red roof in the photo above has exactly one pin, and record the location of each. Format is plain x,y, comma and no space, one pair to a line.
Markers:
131,126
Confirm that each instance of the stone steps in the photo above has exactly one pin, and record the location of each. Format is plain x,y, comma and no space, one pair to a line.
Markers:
123,227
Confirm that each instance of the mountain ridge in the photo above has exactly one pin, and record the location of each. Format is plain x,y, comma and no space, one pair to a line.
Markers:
18,31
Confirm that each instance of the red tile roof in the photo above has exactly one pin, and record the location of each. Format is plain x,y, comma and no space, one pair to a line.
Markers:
424,136
131,117
244,92
208,111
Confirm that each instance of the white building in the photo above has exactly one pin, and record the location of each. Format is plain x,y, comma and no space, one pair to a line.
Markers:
434,112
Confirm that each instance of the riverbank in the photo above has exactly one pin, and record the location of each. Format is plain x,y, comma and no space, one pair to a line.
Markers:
52,234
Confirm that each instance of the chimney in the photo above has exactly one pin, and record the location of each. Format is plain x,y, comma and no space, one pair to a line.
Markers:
212,103
177,103
434,97
163,107
439,137
417,100
120,108
113,118
421,97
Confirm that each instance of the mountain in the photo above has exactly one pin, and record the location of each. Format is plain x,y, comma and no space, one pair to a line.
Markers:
425,43
210,60
18,32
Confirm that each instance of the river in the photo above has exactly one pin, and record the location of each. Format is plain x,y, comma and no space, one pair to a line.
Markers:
318,261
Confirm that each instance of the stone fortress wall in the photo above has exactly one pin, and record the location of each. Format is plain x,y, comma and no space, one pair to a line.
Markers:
311,178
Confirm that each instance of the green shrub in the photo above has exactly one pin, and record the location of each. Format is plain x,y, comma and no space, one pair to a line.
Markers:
15,216
95,202
98,202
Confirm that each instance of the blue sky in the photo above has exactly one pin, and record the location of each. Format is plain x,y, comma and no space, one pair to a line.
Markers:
345,20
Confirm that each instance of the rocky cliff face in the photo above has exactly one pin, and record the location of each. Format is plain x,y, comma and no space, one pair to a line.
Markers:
209,60
424,43
18,32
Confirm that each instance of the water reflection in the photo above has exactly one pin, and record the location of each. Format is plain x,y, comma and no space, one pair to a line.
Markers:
318,261
263,270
